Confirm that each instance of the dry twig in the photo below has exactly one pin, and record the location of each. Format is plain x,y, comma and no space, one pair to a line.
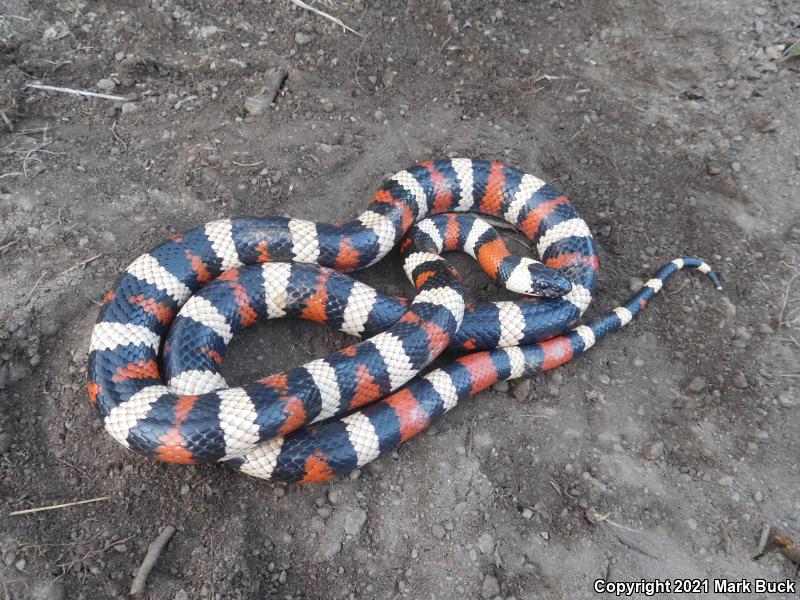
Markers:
33,289
278,76
80,264
153,552
11,243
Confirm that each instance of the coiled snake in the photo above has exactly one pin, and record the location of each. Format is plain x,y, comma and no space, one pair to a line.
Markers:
213,280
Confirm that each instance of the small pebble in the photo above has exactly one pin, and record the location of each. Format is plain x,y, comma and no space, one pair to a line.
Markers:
501,386
301,39
740,381
765,329
486,543
545,535
256,105
354,521
20,564
387,78
490,587
697,385
181,595
129,107
521,389
527,513
691,524
5,442
758,496
333,549
654,451
106,85
438,531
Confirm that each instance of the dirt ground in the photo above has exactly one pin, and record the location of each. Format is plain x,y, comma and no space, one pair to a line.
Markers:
668,122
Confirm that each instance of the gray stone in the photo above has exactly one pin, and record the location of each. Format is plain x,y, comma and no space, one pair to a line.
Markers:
521,389
181,595
501,386
57,31
490,587
130,107
697,384
438,531
301,39
333,549
106,85
654,450
486,543
740,381
388,77
48,590
5,442
354,521
256,105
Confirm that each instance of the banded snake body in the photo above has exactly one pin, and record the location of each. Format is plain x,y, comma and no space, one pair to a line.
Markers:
332,415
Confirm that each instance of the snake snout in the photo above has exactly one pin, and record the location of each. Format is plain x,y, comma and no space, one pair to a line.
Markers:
548,283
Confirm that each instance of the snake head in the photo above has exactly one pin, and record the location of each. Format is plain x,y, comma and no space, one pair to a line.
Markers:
532,278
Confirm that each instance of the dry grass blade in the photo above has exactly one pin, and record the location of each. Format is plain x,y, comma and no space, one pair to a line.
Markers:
55,506
74,92
325,15
791,51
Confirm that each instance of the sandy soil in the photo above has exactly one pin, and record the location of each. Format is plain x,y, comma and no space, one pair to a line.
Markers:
668,123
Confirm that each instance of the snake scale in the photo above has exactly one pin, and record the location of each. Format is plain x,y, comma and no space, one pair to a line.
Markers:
156,351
